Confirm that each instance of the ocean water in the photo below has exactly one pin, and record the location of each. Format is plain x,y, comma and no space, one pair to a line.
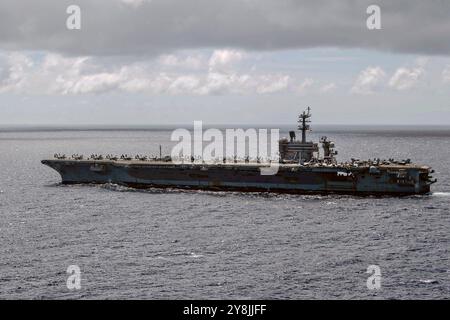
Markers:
170,244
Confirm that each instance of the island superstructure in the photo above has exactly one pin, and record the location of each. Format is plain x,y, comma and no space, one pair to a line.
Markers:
301,170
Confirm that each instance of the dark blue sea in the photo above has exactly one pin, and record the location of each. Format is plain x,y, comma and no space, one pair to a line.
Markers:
170,244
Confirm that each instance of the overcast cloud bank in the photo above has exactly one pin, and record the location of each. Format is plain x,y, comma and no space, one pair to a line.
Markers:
153,27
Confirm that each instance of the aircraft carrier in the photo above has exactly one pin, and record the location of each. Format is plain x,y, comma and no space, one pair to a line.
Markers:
301,169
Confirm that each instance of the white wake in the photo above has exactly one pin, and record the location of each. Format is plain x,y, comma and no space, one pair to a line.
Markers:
441,194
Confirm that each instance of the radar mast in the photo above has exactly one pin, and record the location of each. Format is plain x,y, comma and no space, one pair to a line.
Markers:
304,120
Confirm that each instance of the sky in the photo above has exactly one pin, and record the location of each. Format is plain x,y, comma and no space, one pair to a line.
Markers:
157,62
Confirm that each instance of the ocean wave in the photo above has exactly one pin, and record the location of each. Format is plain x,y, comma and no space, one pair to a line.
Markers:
428,281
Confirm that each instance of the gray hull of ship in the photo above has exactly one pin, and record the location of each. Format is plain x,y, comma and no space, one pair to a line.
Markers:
245,177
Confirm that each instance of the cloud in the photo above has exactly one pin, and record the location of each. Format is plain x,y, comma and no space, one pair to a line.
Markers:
216,83
446,74
271,84
95,83
193,73
55,74
304,86
188,62
368,80
59,75
14,75
407,78
330,87
139,27
183,84
224,59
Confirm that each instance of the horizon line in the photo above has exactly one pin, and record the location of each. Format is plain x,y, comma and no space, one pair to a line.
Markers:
94,126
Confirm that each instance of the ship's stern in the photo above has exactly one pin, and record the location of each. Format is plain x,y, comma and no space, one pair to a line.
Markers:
424,180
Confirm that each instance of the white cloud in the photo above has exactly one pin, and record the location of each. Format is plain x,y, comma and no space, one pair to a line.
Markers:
303,87
368,80
223,59
446,74
184,84
58,75
55,75
233,83
272,84
218,83
183,73
330,87
95,83
407,78
15,73
189,62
